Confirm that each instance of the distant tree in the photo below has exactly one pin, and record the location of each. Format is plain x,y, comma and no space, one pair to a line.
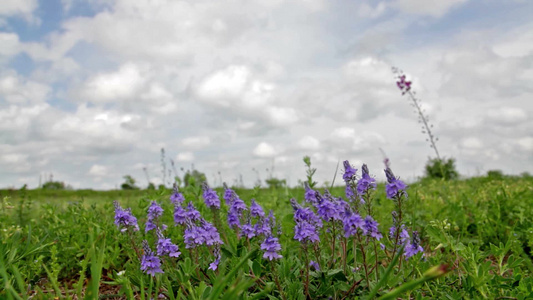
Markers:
441,168
151,186
129,183
275,183
53,185
495,174
194,178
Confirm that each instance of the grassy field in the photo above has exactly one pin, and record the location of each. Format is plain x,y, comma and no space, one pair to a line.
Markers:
479,231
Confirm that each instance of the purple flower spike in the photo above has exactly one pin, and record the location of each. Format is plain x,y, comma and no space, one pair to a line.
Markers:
349,172
214,265
154,212
271,247
210,233
150,263
210,197
366,182
327,210
256,210
166,247
351,223
370,228
192,213
305,232
124,219
180,215
228,194
247,230
414,247
310,194
176,198
395,187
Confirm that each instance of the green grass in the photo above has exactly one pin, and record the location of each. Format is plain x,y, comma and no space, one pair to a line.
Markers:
64,244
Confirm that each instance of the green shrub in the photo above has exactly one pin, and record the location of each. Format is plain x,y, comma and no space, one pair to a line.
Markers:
441,169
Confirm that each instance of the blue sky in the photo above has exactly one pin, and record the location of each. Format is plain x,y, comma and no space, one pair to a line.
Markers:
92,90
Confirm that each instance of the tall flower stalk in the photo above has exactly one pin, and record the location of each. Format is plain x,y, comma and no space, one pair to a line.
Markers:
405,86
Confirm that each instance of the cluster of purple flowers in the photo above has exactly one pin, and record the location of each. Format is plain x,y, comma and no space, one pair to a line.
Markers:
395,188
150,263
307,224
154,212
201,233
210,197
403,84
166,247
124,219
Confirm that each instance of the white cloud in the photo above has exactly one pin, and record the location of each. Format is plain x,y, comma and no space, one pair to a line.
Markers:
472,143
507,115
17,90
196,142
227,83
265,150
24,8
10,44
185,157
343,133
99,171
119,85
423,7
309,143
526,143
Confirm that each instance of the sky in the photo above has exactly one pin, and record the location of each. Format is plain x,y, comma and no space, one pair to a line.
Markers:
242,90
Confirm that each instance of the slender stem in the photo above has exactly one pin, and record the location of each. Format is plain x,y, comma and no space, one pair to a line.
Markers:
276,280
332,245
398,226
364,259
134,245
376,254
424,120
306,283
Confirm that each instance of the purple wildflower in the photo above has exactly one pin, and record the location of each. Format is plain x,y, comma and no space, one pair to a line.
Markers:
124,218
305,214
305,232
214,265
176,198
154,212
395,187
314,265
228,194
403,84
271,247
366,182
403,237
210,197
310,194
370,228
327,210
180,215
256,210
414,247
150,263
351,223
233,219
350,193
166,247
210,233
235,211
192,213
262,228
349,172
247,230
